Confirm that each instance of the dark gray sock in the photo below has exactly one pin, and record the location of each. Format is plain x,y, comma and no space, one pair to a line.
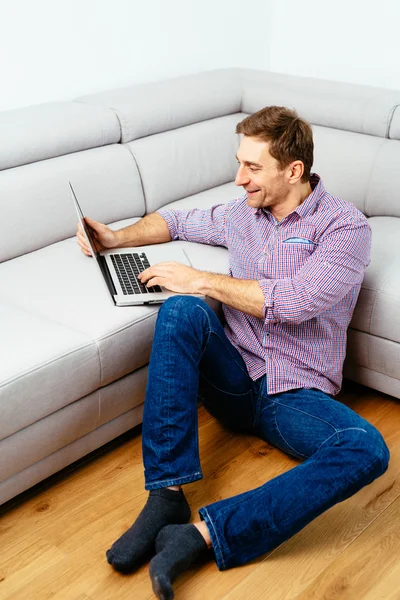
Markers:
136,545
178,546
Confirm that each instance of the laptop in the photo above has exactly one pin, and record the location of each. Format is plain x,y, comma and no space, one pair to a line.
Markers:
119,267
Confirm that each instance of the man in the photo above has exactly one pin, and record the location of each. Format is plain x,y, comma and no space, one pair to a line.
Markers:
297,257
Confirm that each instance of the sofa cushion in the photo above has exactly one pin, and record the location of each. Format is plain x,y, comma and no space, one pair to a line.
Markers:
44,366
36,200
166,105
377,310
345,161
47,130
187,160
358,108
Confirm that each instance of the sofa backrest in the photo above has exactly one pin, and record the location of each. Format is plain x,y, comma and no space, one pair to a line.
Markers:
37,208
181,132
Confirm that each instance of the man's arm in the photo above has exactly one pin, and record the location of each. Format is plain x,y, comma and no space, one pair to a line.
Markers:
194,225
205,226
243,294
152,229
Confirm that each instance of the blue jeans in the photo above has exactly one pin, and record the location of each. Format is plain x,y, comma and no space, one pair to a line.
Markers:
191,358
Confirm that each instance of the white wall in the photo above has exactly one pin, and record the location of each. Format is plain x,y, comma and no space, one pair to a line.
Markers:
57,50
357,41
54,50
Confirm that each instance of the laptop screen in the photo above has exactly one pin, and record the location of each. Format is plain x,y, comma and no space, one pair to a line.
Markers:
92,246
89,238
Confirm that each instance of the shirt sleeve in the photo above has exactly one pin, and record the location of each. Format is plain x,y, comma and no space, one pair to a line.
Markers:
334,268
196,225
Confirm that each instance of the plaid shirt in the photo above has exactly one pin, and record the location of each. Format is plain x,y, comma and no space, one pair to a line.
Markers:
310,267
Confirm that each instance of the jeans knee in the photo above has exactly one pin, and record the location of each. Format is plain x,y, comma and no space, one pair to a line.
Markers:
380,454
372,452
178,308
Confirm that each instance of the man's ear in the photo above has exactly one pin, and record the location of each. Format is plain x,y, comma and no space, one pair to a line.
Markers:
296,171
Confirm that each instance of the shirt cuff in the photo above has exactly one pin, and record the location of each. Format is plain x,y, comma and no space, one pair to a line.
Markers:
171,220
268,286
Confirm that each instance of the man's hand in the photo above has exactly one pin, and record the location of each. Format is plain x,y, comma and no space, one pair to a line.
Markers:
103,237
173,276
242,294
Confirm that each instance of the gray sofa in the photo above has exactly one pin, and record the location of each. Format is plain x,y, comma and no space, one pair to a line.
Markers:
73,366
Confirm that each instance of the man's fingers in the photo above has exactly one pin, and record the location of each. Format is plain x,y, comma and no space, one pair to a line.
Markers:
82,242
154,281
145,275
84,247
160,269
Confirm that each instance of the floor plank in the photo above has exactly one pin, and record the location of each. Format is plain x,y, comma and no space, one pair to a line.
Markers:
371,570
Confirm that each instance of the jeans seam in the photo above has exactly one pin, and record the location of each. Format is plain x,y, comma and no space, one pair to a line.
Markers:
209,330
304,412
219,549
341,431
224,391
283,437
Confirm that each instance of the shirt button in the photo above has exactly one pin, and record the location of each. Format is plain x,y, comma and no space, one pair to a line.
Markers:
267,334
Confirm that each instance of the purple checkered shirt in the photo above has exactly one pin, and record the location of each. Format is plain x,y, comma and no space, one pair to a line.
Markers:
310,267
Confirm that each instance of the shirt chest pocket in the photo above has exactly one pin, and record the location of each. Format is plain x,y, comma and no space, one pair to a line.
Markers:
294,248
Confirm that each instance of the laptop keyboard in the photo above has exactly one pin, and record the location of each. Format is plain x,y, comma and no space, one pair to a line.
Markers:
128,267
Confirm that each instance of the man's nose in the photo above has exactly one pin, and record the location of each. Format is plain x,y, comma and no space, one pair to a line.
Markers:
241,176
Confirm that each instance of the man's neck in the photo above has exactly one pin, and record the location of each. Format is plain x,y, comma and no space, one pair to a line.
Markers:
292,202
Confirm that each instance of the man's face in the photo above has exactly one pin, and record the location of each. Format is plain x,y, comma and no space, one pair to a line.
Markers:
258,173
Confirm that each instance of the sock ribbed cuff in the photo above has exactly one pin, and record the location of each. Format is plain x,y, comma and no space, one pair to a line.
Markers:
168,494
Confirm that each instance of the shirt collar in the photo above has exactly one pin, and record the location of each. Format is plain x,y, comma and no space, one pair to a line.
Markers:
308,205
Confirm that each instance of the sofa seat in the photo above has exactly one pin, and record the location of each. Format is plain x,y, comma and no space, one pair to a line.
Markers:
45,366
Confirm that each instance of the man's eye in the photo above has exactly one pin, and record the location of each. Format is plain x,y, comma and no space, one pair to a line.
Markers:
254,169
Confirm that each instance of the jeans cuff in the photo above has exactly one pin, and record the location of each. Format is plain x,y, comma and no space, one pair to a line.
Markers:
216,545
161,483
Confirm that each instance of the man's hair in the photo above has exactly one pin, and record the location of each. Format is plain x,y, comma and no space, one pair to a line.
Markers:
290,137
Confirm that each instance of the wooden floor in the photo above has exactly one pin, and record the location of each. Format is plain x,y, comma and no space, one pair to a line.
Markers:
53,543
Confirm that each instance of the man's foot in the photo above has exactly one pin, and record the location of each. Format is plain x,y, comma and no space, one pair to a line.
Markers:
135,546
178,546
